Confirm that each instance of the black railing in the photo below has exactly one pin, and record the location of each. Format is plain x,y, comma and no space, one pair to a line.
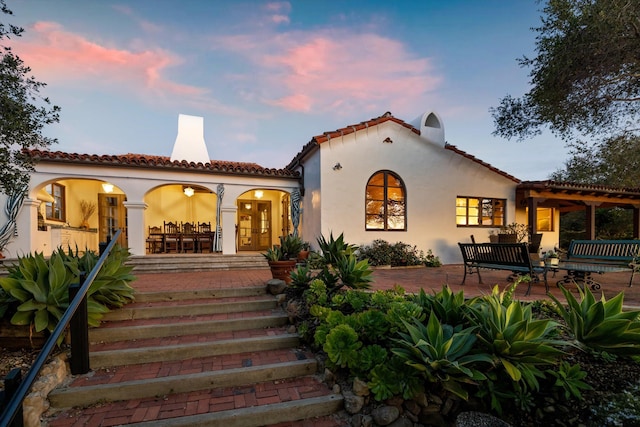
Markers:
76,316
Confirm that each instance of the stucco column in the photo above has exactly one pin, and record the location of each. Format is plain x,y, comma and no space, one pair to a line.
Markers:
27,227
135,227
229,229
590,221
532,213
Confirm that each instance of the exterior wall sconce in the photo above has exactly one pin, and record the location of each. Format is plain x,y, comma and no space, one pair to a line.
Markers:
258,194
388,140
337,167
189,191
108,188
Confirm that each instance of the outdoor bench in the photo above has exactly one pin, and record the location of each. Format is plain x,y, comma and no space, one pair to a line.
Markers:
605,255
513,257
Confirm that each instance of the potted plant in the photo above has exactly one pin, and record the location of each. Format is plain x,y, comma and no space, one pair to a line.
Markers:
86,209
282,258
551,257
304,252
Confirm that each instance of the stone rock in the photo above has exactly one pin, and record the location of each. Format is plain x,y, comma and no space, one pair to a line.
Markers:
433,420
281,298
385,415
336,389
329,377
36,403
291,329
479,419
395,401
421,399
360,420
352,403
412,407
276,286
401,422
360,387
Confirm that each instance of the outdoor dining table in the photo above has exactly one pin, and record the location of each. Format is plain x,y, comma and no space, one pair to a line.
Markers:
581,273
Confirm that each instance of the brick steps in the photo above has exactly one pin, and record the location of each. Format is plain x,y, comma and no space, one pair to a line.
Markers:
210,357
171,263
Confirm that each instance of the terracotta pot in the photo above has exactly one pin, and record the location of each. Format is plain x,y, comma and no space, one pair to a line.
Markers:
281,269
302,255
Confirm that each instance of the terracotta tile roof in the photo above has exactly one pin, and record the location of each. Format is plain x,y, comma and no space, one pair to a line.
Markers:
326,136
574,187
161,162
485,164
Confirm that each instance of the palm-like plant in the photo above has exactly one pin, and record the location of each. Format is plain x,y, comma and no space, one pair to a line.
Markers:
518,341
442,355
600,325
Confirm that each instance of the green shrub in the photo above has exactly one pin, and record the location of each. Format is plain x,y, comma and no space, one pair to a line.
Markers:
381,252
36,291
518,342
600,326
441,355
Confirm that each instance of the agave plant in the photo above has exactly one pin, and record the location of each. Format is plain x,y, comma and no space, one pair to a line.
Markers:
41,288
442,355
517,341
600,325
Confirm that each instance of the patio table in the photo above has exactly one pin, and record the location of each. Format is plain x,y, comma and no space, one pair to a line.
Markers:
582,272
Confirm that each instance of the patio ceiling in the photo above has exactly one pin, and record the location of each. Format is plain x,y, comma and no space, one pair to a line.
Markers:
571,196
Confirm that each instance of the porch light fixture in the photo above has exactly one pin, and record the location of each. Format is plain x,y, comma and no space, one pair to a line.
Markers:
189,191
108,188
258,194
337,167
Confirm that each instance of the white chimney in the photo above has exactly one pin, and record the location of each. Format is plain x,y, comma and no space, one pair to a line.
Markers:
190,145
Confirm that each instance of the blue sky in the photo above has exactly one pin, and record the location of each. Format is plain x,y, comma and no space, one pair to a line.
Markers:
268,76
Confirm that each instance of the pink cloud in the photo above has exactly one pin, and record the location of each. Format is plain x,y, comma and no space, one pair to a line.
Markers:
278,12
325,70
59,56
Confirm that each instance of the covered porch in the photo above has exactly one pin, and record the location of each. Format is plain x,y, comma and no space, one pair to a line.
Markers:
567,197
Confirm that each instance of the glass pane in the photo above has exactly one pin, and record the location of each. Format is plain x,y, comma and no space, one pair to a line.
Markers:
395,194
461,202
392,181
375,222
377,179
395,208
375,207
395,223
375,193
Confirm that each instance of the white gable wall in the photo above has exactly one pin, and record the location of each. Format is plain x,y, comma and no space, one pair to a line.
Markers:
433,177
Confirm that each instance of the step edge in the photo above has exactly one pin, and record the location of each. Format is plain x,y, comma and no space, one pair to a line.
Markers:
137,389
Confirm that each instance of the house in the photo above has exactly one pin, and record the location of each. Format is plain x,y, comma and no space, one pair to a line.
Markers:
379,179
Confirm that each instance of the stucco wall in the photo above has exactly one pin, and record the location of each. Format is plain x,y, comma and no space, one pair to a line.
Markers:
433,177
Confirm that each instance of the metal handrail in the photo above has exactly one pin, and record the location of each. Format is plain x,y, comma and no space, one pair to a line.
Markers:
15,403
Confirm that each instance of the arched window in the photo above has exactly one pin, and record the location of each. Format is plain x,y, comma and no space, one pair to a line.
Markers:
386,203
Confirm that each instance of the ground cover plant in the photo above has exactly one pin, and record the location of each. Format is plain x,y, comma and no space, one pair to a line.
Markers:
36,291
530,363
381,252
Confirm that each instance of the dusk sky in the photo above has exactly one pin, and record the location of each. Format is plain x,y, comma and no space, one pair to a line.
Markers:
268,76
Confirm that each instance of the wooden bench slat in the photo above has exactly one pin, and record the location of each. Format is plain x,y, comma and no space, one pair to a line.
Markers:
500,256
607,252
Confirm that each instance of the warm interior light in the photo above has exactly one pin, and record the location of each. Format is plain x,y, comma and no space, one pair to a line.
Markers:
258,194
188,191
108,188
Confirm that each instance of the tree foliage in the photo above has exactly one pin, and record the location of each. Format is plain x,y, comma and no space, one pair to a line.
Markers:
23,113
614,162
585,76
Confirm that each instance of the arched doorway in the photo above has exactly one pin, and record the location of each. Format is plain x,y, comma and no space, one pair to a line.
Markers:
263,216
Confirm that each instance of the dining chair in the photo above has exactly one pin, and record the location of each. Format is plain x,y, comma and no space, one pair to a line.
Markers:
172,237
188,237
155,240
205,236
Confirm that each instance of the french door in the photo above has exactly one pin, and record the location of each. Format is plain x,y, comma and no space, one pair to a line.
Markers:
112,216
254,225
